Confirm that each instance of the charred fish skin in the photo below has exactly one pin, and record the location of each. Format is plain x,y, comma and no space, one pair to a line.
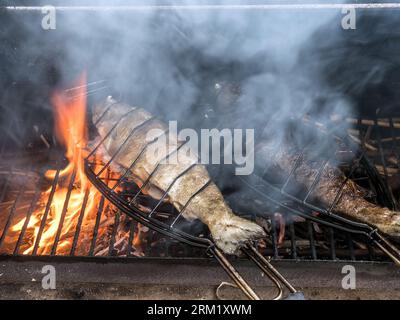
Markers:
137,127
351,203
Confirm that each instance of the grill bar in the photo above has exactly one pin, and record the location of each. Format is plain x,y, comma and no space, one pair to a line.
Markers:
383,161
312,241
79,224
64,211
292,239
274,239
46,212
96,226
11,215
28,217
351,247
132,231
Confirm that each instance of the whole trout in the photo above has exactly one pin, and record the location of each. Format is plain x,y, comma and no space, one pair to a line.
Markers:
228,231
351,204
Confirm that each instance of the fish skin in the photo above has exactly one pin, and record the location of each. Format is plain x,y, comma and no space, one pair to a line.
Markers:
228,231
351,204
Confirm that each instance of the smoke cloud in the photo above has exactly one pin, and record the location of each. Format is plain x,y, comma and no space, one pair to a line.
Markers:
225,68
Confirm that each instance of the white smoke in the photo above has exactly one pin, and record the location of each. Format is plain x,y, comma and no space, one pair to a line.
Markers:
159,59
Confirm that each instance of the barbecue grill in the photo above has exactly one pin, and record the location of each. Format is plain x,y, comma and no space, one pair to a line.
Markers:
164,219
129,225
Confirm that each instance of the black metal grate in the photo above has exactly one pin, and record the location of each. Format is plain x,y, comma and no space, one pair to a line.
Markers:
106,233
307,236
380,139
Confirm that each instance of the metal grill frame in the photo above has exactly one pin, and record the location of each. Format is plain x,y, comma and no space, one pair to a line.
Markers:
338,222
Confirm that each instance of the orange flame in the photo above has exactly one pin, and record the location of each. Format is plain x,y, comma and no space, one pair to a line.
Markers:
67,203
71,131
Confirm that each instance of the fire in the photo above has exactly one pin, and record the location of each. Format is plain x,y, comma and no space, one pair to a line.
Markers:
63,215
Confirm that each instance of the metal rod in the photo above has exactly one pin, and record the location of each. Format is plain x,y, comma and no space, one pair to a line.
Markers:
390,254
114,232
268,265
292,238
371,250
63,212
267,272
312,241
132,231
88,93
389,189
46,212
234,274
11,215
351,246
86,85
5,187
274,239
395,253
33,204
96,227
218,7
332,243
79,224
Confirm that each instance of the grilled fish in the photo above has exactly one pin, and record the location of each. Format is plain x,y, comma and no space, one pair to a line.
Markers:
351,203
135,129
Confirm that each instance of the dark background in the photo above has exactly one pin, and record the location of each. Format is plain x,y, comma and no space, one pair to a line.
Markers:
361,64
